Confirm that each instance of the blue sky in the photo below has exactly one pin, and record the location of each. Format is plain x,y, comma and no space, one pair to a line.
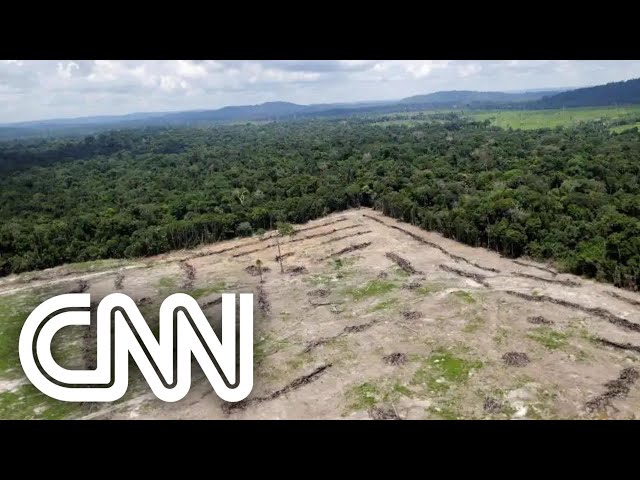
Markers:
34,89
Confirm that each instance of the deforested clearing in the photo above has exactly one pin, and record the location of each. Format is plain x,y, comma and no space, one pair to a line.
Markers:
460,345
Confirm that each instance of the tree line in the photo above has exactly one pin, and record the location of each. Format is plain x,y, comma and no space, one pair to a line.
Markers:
571,195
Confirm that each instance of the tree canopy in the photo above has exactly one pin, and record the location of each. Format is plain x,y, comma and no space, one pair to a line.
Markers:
570,194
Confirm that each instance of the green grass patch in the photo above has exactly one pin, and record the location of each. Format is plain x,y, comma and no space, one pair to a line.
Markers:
400,273
442,370
466,297
97,265
14,310
399,390
384,305
267,345
373,288
551,339
537,119
369,394
583,333
204,291
363,396
28,403
167,283
429,288
342,263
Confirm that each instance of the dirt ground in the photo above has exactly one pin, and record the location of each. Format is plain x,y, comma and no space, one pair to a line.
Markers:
385,321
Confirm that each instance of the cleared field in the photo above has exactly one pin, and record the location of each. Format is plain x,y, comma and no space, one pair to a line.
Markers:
536,119
373,318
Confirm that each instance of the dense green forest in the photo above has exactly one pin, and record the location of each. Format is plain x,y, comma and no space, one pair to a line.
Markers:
569,194
614,93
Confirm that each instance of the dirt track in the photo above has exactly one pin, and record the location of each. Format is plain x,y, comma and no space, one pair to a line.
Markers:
452,324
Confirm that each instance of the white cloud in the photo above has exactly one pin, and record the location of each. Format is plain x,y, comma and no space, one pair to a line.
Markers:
66,70
424,68
49,89
189,69
169,83
470,69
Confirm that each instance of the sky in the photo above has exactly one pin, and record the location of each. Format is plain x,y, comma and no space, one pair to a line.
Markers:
42,89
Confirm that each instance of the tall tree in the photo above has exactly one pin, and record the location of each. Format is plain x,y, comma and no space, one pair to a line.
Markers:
284,230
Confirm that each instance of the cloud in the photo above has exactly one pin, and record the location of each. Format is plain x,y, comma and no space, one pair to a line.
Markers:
423,68
65,70
51,89
469,70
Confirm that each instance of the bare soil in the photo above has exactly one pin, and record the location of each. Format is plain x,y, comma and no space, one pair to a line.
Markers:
327,337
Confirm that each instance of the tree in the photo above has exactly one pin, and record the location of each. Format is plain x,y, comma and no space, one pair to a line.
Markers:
547,193
284,230
243,229
259,265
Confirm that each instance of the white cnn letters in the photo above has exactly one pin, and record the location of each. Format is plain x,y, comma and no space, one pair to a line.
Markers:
180,318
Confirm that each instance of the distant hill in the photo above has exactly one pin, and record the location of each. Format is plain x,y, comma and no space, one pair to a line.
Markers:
264,111
615,93
468,97
610,94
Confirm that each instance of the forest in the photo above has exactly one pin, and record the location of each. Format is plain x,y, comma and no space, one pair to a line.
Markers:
570,195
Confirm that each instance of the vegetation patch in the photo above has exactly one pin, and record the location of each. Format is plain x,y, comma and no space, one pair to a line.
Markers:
465,297
400,273
384,305
267,345
538,119
622,128
204,291
429,287
551,339
363,396
442,370
14,310
373,288
500,336
97,265
379,394
28,403
299,361
167,283
344,263
501,184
